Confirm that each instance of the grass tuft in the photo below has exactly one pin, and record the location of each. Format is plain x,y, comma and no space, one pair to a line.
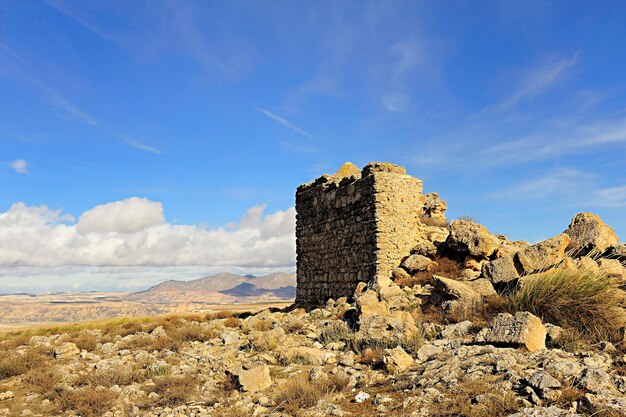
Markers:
579,300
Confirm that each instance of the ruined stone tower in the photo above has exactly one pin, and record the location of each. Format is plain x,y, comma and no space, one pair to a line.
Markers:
354,226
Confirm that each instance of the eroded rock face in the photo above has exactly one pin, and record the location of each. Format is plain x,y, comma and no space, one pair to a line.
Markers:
471,238
66,350
253,379
434,212
417,263
588,232
500,270
542,255
396,360
454,296
522,329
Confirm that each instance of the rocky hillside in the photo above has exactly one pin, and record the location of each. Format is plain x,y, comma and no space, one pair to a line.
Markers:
471,324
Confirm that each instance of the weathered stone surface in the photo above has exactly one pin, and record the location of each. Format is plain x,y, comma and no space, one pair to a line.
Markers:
396,360
472,238
424,247
617,251
543,381
66,350
303,354
348,169
523,329
455,296
253,379
434,210
500,270
587,264
399,274
416,263
354,229
595,380
612,268
588,232
542,255
482,286
6,395
551,411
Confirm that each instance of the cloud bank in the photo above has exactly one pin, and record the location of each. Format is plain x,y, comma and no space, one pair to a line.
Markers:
134,232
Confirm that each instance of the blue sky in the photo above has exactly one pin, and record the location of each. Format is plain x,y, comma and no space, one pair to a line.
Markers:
211,114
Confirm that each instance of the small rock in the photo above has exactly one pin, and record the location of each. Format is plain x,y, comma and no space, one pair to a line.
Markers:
253,379
66,350
361,397
543,381
417,263
396,360
523,329
6,395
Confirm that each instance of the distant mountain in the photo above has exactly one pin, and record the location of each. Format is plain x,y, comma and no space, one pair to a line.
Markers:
224,288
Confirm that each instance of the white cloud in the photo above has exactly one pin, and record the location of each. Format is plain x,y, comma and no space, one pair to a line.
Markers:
133,232
284,122
144,147
20,166
125,216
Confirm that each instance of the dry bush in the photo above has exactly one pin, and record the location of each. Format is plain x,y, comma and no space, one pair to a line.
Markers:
165,343
224,314
580,300
14,364
414,342
192,332
124,329
86,402
139,341
467,218
335,331
372,357
120,375
232,322
85,341
463,400
175,390
44,380
17,341
298,392
294,325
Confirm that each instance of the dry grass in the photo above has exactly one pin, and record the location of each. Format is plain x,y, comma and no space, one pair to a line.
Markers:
335,331
298,392
232,322
477,398
44,380
84,340
14,364
175,390
85,402
583,301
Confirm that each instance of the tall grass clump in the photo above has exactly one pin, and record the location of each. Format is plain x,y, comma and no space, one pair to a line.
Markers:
584,301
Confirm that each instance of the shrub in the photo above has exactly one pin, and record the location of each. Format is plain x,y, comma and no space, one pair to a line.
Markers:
298,393
584,301
85,341
86,402
335,331
174,390
43,380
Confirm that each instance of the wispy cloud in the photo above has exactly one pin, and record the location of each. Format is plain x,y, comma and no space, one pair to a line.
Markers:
539,80
284,122
80,17
18,67
566,187
144,147
20,166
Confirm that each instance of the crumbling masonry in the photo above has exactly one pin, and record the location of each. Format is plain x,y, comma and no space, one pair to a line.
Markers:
354,226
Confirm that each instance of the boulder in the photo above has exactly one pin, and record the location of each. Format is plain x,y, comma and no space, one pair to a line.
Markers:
417,263
501,270
589,233
617,251
522,329
399,274
396,360
434,210
587,264
543,381
543,255
66,350
253,379
424,247
438,235
482,286
471,238
348,170
612,268
454,296
370,305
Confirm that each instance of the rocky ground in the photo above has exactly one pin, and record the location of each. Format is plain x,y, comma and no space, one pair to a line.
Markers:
471,324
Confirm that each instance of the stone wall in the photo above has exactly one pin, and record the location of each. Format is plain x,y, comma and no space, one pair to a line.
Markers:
354,226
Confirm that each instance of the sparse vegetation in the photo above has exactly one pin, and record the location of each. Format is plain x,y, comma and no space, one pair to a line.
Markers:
584,301
174,390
